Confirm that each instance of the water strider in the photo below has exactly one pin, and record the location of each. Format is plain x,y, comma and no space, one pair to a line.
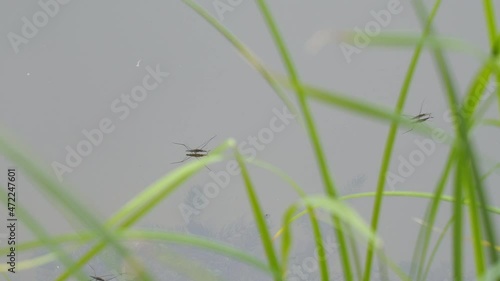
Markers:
421,117
101,278
196,152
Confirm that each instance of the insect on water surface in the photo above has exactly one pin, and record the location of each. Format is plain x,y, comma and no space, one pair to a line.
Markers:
195,152
102,278
421,117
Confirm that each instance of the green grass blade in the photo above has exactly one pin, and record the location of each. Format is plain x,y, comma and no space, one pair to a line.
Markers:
80,238
492,122
475,94
345,214
356,260
494,38
409,40
42,235
322,257
5,276
280,173
406,194
391,138
199,242
310,127
188,268
414,194
251,58
475,225
286,241
490,171
424,236
489,13
348,216
177,238
32,263
498,82
457,252
471,101
394,267
56,191
493,274
364,108
436,247
461,131
332,206
259,217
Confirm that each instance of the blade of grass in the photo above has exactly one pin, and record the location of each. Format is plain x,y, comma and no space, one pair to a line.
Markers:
394,267
345,214
457,252
471,101
251,58
42,235
490,171
482,109
475,225
364,108
413,194
493,273
497,76
489,13
407,194
189,268
31,263
391,138
6,276
311,129
405,40
492,122
493,37
475,94
280,173
355,253
322,257
81,238
259,217
461,131
200,242
423,240
286,242
412,39
56,191
348,216
170,237
436,247
332,206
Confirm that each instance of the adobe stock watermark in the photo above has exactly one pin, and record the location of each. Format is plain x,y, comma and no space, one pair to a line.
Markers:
3,237
310,264
121,108
427,147
30,28
223,6
362,38
248,149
